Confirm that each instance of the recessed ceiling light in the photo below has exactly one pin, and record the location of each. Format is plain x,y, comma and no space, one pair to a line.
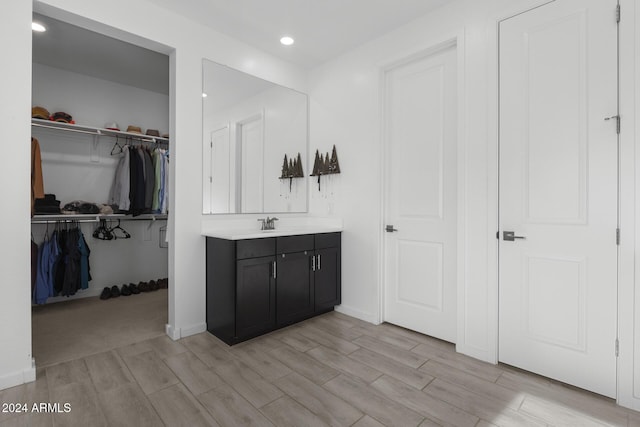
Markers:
204,95
38,28
287,41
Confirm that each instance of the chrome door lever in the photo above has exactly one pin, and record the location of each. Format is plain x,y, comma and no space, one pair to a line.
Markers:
510,236
390,229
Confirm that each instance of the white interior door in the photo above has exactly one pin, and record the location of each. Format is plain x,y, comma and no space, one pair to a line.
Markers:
220,181
420,257
558,190
251,137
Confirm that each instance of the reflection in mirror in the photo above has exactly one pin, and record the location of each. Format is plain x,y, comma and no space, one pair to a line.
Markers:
249,125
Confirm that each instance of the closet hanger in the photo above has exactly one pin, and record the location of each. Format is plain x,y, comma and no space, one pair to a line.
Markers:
102,232
126,235
117,144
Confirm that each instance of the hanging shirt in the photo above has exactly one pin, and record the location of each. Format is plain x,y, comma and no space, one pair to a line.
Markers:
165,195
149,180
157,174
119,194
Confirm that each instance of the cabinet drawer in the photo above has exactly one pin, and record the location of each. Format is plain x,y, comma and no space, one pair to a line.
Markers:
288,244
252,248
327,240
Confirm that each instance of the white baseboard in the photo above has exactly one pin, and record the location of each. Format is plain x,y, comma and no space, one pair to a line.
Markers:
358,314
177,333
172,332
192,330
18,378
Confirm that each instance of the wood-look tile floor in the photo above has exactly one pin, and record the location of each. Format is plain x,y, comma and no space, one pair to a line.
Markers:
331,370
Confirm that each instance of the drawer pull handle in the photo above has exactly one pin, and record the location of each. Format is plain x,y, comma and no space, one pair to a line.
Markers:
275,270
319,267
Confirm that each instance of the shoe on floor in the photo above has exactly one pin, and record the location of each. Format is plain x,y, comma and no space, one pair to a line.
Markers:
134,288
125,291
153,285
106,293
115,292
143,286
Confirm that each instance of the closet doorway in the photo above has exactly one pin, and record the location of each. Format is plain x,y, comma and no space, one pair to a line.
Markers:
116,96
559,192
420,289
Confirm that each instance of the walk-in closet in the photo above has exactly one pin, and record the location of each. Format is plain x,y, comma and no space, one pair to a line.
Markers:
100,168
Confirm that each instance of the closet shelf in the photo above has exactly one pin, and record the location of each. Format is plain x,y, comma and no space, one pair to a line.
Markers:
45,219
47,124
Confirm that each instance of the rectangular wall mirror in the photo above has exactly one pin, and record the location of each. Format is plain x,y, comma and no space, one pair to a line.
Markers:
249,126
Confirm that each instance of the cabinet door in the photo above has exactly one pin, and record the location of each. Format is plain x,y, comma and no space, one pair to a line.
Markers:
294,287
327,279
255,296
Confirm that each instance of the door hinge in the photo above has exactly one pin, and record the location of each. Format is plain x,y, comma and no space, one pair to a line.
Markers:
617,236
618,13
211,144
617,119
498,235
617,347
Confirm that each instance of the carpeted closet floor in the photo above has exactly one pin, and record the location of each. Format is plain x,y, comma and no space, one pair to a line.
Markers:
78,328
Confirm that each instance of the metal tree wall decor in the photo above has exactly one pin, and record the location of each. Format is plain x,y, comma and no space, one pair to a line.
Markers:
292,168
325,165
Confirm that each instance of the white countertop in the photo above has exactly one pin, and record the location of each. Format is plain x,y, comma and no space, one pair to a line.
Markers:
259,234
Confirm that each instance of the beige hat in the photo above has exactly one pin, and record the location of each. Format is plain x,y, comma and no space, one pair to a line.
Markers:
134,129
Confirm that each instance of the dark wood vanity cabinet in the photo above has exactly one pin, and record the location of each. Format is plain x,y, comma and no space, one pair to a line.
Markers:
257,285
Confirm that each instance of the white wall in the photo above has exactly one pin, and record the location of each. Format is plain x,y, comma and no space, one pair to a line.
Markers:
346,110
15,90
154,28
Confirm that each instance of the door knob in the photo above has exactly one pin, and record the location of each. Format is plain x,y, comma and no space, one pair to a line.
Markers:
510,236
390,229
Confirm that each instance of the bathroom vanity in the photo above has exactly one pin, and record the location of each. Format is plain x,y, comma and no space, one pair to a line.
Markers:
260,281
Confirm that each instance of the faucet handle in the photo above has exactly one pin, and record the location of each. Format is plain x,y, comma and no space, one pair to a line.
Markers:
264,222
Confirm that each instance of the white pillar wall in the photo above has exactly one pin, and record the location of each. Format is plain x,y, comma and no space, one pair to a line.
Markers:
15,259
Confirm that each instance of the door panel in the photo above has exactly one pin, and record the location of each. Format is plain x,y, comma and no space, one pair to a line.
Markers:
558,189
220,171
294,293
420,258
251,137
327,279
255,296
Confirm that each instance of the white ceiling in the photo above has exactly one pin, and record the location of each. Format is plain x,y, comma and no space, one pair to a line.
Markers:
323,29
76,49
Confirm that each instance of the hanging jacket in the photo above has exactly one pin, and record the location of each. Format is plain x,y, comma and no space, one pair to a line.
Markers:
41,291
37,181
84,250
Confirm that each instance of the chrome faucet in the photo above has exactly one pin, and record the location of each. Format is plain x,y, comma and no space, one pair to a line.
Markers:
268,223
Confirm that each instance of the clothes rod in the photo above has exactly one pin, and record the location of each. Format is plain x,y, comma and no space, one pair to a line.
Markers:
98,132
69,221
48,219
